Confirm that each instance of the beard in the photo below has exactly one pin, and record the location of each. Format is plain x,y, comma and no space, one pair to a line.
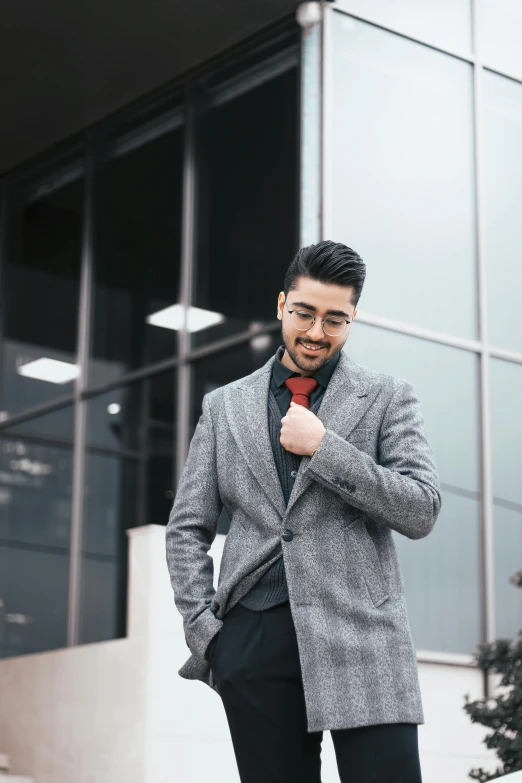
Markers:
306,362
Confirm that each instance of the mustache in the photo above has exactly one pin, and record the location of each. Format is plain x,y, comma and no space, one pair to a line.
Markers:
309,342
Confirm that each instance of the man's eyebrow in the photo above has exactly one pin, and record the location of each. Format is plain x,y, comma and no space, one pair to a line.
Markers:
341,313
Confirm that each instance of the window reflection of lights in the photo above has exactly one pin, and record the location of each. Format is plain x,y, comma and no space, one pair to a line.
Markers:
113,408
5,497
18,619
32,467
14,447
260,342
197,318
50,370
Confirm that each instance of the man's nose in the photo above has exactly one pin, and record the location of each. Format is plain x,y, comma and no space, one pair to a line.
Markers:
315,332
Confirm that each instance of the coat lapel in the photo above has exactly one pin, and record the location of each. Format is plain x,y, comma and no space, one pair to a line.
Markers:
346,399
246,406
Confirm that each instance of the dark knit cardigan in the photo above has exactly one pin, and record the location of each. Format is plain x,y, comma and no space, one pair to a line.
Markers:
271,589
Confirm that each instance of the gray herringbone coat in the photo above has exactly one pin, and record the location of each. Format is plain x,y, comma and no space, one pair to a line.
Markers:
373,472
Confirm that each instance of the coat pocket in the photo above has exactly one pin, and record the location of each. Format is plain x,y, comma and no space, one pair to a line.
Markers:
366,557
359,435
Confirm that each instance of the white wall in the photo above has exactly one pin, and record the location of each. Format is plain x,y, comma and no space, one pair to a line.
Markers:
118,711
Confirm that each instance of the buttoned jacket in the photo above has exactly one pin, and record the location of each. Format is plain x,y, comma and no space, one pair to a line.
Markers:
373,473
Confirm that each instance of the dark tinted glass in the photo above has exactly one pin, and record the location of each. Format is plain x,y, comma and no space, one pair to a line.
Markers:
137,251
40,288
35,511
247,210
129,483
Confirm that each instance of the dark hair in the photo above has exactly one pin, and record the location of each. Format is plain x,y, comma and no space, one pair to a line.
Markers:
328,262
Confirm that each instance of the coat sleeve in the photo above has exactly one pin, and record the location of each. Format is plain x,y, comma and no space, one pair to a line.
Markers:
191,529
403,490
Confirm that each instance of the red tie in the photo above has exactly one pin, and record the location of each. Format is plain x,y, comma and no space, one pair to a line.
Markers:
301,389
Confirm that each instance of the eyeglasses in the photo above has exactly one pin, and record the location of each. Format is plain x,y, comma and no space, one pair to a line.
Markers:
303,320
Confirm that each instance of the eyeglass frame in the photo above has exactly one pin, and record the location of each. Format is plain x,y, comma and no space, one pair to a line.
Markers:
297,310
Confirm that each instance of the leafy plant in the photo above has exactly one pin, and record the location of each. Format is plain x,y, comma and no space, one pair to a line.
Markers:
502,714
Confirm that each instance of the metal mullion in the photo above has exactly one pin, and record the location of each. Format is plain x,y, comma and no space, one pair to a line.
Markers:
253,77
487,542
499,72
187,265
143,461
506,355
38,410
80,411
4,207
149,371
326,149
469,58
423,333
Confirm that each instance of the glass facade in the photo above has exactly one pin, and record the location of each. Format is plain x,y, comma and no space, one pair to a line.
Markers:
35,531
140,267
401,140
41,275
421,153
138,264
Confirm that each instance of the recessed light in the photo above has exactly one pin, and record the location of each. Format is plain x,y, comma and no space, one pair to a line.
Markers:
50,370
172,318
114,407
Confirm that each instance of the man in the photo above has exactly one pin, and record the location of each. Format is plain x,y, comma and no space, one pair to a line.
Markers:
316,459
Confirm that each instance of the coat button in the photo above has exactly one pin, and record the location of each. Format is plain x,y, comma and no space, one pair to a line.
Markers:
287,534
293,473
351,487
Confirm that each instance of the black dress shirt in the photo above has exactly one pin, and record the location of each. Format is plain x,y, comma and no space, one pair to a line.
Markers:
280,373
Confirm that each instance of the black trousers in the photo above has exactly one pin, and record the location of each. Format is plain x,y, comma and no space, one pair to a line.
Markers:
256,666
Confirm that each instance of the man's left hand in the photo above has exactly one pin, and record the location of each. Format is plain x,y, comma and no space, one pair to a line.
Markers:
301,430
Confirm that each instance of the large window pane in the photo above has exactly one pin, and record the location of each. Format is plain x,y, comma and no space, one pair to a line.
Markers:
503,213
129,482
35,510
40,288
500,33
399,179
446,23
445,564
247,230
137,249
506,430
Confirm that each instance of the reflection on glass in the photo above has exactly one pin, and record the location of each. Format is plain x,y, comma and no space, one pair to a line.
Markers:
502,213
446,23
506,433
129,482
137,251
40,289
35,508
109,510
400,177
445,563
500,33
247,210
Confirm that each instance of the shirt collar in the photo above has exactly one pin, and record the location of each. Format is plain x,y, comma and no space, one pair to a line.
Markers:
280,372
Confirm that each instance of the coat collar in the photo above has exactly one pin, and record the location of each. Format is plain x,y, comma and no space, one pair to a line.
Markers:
346,399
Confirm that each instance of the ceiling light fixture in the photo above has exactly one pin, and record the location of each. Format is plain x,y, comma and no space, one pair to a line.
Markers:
197,318
50,370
